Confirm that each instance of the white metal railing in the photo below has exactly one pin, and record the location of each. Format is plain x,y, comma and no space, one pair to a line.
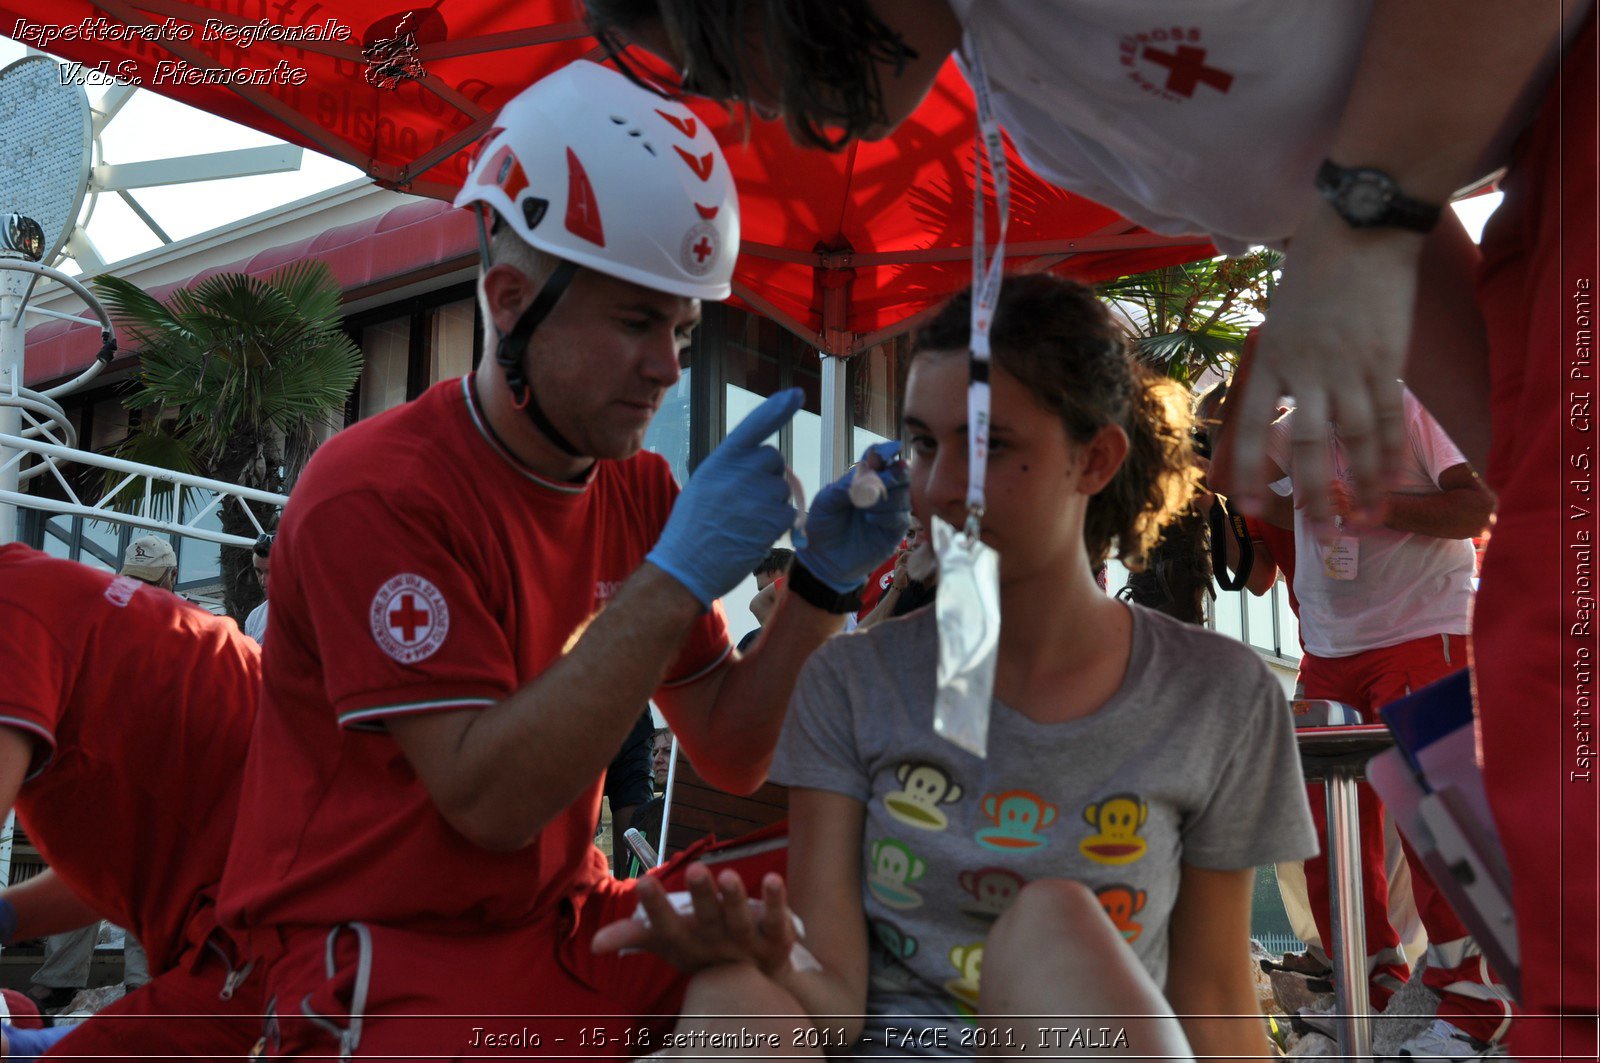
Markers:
143,480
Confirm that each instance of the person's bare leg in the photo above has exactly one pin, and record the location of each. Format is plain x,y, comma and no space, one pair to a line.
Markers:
736,1012
1056,963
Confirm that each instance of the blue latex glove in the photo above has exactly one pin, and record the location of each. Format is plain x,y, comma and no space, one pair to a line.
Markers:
736,505
25,1045
844,544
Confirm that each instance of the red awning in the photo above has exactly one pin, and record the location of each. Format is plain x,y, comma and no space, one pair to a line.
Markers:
400,243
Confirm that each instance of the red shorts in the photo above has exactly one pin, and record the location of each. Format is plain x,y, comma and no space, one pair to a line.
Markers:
384,991
205,1007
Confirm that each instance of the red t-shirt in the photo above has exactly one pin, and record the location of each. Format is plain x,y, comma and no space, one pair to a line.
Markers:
1281,542
141,708
877,585
420,568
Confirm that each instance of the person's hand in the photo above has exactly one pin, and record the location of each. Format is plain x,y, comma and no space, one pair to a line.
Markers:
844,544
901,576
1335,338
733,509
722,928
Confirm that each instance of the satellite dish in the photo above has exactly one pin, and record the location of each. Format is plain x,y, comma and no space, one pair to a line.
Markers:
46,148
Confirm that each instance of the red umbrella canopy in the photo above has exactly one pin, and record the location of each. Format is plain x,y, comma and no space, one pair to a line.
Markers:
841,248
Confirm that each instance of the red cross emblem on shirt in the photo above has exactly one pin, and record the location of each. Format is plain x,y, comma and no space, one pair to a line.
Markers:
409,618
1186,69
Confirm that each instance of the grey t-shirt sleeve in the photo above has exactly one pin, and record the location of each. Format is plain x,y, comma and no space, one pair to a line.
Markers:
818,747
1257,813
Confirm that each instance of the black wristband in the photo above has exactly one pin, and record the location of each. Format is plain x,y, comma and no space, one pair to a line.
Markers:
811,590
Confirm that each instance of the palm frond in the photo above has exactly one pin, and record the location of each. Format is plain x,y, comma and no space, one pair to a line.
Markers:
1187,318
310,286
238,355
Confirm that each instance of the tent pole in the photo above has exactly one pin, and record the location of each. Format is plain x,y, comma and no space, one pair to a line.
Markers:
838,344
836,456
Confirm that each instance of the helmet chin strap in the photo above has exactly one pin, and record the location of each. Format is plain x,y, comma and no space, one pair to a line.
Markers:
513,346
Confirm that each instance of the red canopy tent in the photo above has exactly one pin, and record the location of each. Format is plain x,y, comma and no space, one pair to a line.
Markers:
842,249
845,250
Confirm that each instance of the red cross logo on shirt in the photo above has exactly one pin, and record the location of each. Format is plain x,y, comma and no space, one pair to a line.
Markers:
409,618
1186,69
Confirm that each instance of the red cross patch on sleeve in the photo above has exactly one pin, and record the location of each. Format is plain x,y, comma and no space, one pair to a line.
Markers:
409,618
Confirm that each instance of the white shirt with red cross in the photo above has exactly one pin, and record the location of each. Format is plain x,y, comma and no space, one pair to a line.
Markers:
1187,117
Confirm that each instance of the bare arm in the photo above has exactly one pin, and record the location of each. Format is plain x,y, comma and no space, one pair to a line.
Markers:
480,767
16,753
884,609
1459,510
729,722
1209,984
1263,569
825,891
1447,361
46,905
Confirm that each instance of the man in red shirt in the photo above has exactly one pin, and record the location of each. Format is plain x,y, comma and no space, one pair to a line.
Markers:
415,837
124,715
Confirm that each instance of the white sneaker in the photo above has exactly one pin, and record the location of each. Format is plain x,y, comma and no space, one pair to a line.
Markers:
1441,1040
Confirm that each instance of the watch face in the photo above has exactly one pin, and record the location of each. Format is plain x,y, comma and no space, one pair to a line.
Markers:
1366,198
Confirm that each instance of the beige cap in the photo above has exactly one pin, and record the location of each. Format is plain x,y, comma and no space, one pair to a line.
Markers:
148,558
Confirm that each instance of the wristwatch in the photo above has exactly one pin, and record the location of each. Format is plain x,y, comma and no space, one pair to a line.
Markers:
813,591
1369,199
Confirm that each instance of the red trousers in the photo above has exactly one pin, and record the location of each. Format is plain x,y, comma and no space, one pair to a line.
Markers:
383,992
1534,631
1456,971
190,1012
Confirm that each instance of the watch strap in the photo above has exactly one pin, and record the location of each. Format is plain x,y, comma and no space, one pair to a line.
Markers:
813,591
1400,210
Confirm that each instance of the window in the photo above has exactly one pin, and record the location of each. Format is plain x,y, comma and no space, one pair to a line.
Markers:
200,561
450,340
412,344
387,347
669,432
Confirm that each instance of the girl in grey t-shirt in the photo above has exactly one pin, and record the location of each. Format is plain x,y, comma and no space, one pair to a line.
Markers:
1138,770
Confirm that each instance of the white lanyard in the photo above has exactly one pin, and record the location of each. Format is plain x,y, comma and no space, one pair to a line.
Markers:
985,283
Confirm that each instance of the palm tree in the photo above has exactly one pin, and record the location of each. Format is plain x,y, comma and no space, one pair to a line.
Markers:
1186,319
238,377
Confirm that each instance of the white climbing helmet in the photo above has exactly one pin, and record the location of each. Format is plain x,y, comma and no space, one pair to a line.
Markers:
591,168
